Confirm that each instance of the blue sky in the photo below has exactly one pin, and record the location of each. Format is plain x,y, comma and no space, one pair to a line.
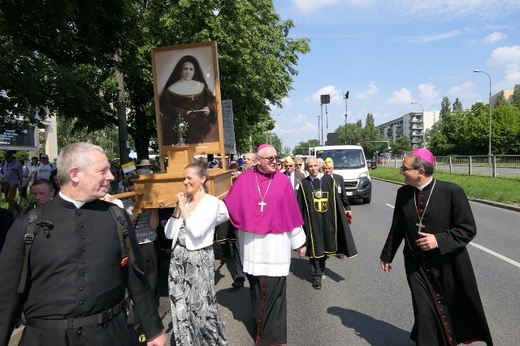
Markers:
390,53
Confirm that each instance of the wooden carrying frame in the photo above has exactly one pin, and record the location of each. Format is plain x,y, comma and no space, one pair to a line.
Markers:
159,190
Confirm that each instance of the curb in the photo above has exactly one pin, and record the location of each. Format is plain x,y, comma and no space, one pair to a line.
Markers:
511,207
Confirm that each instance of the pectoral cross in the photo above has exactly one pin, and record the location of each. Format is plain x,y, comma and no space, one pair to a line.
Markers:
261,204
420,226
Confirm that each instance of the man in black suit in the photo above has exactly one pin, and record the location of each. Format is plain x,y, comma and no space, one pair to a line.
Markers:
290,172
328,168
325,222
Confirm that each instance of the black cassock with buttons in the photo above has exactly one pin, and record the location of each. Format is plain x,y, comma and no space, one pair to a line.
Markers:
75,271
446,301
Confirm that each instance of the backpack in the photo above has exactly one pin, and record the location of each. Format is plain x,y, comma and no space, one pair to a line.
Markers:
35,223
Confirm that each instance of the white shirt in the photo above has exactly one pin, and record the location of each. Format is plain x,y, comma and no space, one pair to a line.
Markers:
269,254
200,226
291,178
44,171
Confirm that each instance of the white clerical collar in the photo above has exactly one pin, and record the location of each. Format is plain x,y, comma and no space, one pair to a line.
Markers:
420,188
319,176
78,204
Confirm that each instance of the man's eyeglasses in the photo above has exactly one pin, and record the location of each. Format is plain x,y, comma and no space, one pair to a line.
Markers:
270,158
298,164
288,165
405,169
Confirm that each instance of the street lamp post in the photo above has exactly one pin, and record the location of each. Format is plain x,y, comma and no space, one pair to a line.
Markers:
346,112
423,129
490,153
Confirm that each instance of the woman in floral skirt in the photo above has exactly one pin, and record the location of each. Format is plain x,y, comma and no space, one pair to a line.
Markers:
195,315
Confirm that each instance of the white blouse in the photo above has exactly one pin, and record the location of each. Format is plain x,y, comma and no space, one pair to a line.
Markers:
200,226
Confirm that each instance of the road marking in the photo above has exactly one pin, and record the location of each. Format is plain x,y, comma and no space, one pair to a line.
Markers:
491,252
496,254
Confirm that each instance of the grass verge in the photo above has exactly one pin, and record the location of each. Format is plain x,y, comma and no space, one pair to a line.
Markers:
500,190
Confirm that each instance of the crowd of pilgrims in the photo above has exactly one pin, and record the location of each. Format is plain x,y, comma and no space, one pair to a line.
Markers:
197,226
40,180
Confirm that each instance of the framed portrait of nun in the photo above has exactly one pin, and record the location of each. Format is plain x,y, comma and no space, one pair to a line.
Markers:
187,97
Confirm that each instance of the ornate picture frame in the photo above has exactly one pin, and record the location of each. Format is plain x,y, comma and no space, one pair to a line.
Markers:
187,97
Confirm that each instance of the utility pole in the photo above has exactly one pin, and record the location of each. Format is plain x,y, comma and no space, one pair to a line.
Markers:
325,100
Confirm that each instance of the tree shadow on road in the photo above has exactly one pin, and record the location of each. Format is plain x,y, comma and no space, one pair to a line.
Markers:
238,302
300,268
374,331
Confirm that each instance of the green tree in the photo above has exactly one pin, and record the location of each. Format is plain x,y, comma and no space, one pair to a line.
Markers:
69,133
47,52
401,145
355,132
516,98
506,129
372,139
54,59
457,105
257,56
476,133
303,147
437,141
445,107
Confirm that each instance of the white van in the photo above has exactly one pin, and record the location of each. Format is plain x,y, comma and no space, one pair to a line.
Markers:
349,162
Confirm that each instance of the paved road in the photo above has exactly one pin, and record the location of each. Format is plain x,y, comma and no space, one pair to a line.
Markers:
359,304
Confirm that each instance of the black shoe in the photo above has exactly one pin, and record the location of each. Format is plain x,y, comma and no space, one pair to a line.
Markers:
316,284
339,256
238,283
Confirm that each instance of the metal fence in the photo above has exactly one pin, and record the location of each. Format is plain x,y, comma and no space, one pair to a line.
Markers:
503,166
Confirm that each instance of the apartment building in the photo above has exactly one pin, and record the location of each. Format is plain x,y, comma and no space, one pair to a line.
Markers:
413,125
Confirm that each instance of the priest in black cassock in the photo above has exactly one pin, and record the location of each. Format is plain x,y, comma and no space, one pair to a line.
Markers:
435,221
325,221
78,276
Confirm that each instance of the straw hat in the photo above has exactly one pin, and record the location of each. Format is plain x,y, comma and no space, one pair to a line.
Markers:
144,162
